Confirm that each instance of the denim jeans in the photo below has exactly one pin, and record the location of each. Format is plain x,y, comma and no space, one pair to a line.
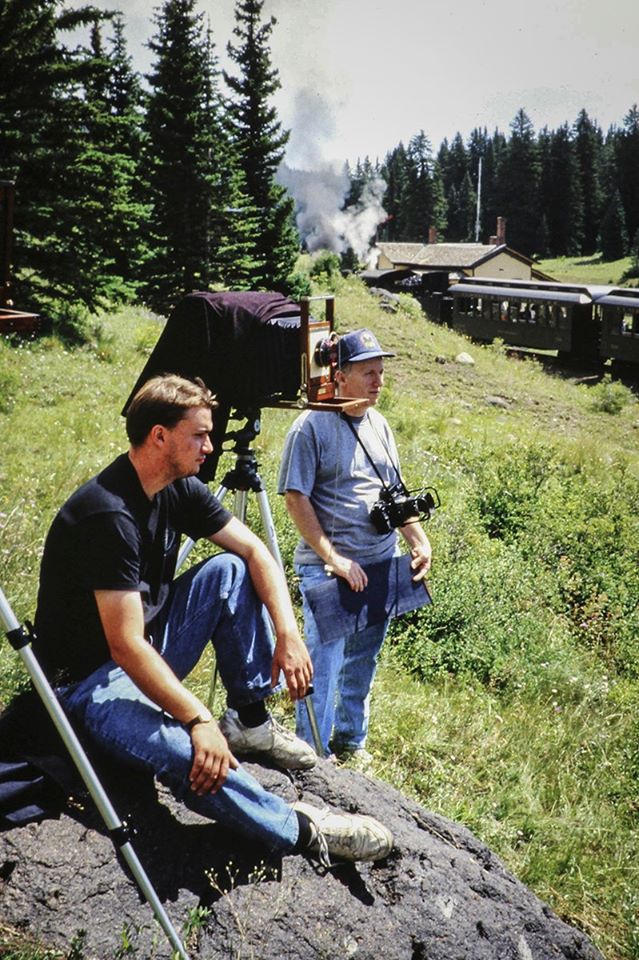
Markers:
343,674
213,601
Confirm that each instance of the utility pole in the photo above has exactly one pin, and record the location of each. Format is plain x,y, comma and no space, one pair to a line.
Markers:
478,202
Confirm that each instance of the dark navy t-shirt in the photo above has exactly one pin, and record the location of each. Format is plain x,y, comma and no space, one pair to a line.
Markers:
110,536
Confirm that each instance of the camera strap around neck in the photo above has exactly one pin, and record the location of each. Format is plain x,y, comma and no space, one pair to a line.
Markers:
368,456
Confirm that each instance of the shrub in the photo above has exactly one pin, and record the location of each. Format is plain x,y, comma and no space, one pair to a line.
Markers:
535,560
71,322
490,620
298,285
610,396
327,263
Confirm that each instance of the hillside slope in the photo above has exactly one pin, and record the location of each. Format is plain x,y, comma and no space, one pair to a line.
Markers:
510,706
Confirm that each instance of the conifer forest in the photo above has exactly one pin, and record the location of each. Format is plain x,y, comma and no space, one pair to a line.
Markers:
142,188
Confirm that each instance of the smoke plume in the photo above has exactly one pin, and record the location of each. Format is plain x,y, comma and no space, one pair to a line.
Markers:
320,188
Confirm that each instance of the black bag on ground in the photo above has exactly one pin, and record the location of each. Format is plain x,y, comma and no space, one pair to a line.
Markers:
37,775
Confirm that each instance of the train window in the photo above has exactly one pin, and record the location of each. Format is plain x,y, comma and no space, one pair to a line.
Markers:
527,312
630,323
469,307
465,306
495,311
503,312
545,314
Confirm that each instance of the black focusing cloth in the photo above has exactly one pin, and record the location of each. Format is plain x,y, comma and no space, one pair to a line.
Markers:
244,345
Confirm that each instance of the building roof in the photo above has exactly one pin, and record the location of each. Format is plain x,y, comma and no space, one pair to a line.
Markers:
449,256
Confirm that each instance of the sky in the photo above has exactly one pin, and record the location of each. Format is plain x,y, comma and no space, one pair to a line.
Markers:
359,76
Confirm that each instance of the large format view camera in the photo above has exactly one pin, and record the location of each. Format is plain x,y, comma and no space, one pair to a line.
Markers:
252,350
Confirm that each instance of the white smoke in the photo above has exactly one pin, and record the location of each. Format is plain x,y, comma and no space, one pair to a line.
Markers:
320,187
322,220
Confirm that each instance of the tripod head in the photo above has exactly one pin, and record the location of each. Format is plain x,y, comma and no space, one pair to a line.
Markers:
244,475
246,434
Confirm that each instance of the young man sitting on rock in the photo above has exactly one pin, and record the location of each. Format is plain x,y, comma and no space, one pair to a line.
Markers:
117,634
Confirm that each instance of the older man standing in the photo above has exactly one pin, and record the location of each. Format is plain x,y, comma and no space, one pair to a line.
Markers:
335,466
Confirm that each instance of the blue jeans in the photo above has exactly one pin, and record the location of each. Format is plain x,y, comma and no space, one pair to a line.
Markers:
343,674
214,600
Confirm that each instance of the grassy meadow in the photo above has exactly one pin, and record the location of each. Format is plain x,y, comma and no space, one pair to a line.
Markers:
512,704
591,270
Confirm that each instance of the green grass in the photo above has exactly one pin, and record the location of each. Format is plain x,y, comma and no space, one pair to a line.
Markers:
588,270
511,704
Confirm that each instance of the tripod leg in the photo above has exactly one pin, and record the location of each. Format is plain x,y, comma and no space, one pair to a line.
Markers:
19,639
271,542
188,544
240,504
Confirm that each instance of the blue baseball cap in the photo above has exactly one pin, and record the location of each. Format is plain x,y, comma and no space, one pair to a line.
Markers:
359,345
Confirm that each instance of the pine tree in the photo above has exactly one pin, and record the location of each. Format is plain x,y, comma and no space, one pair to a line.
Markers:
458,189
453,163
233,219
44,119
562,199
174,162
462,208
589,153
519,185
259,142
628,167
418,209
613,237
115,213
201,223
493,201
394,173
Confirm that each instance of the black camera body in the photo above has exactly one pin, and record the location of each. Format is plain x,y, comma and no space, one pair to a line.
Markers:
396,507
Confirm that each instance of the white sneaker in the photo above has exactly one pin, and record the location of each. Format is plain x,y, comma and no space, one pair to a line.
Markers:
270,740
349,836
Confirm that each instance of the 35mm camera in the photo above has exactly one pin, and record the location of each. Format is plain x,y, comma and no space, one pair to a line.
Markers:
397,506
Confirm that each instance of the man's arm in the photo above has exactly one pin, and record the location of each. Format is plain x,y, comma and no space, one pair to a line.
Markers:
290,656
420,548
305,519
122,619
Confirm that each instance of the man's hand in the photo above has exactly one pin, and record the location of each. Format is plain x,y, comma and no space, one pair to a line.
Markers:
349,570
291,658
421,560
212,758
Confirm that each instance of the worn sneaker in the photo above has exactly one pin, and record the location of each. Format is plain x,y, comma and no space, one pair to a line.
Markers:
270,740
349,836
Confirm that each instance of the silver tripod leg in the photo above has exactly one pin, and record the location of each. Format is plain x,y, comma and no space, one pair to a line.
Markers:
19,639
271,542
188,544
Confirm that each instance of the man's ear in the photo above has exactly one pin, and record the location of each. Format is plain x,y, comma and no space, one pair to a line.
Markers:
157,434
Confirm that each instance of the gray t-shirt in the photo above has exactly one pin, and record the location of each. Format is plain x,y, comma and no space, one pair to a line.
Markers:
323,460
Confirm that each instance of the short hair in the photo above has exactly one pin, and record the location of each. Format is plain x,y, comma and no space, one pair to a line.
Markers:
165,400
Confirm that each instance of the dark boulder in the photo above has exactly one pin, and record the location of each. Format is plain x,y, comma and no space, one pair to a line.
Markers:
441,895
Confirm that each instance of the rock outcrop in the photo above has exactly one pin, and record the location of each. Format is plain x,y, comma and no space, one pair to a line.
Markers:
441,895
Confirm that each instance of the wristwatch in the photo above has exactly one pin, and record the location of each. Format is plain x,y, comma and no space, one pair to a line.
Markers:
197,719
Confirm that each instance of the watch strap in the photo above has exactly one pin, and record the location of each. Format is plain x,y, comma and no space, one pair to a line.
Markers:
197,719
